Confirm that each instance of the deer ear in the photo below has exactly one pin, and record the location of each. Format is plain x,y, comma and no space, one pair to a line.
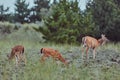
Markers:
102,35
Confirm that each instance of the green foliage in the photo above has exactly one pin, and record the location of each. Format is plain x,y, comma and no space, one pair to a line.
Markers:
106,15
64,23
20,32
88,23
4,13
37,9
77,70
6,27
41,4
21,11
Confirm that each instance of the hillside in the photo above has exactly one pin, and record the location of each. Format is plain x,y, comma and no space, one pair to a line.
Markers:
106,66
19,32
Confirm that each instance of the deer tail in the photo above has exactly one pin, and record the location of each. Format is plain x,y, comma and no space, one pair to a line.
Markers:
84,41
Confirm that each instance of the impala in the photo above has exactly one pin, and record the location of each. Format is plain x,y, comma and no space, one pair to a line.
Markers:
17,52
47,52
91,42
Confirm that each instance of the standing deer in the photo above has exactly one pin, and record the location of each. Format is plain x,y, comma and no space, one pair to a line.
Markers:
17,52
91,42
47,52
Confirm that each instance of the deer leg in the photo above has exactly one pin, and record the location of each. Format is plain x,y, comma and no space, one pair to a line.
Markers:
94,53
43,58
82,52
19,58
16,57
87,52
60,58
23,58
54,58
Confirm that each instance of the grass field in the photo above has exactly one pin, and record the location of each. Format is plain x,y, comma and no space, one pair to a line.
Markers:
103,68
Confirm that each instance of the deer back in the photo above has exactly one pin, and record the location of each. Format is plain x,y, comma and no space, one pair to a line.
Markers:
90,42
16,50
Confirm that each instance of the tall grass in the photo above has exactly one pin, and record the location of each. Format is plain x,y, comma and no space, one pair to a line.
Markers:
50,70
35,70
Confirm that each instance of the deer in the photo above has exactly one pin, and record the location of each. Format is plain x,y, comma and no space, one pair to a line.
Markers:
49,52
17,52
89,42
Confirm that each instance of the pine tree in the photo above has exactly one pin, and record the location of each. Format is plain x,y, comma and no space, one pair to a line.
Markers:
36,10
63,25
21,11
106,15
4,13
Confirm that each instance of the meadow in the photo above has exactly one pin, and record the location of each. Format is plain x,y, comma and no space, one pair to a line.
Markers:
106,66
103,68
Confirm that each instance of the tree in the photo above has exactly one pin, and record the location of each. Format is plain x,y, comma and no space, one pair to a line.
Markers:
106,15
64,23
36,10
4,13
21,11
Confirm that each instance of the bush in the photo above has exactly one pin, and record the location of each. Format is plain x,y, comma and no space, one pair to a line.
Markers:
62,25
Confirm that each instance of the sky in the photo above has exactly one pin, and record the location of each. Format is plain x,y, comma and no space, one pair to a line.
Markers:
10,3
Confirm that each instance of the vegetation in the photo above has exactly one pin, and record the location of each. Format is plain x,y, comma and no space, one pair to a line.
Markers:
64,22
100,69
105,67
60,22
18,32
37,9
21,11
3,13
106,17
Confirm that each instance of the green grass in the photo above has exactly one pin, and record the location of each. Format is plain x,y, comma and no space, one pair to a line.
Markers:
100,69
34,70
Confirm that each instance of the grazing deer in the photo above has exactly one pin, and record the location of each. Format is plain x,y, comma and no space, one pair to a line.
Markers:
47,52
17,52
90,42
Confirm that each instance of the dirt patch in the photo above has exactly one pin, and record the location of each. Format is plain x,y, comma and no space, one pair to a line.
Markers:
103,57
